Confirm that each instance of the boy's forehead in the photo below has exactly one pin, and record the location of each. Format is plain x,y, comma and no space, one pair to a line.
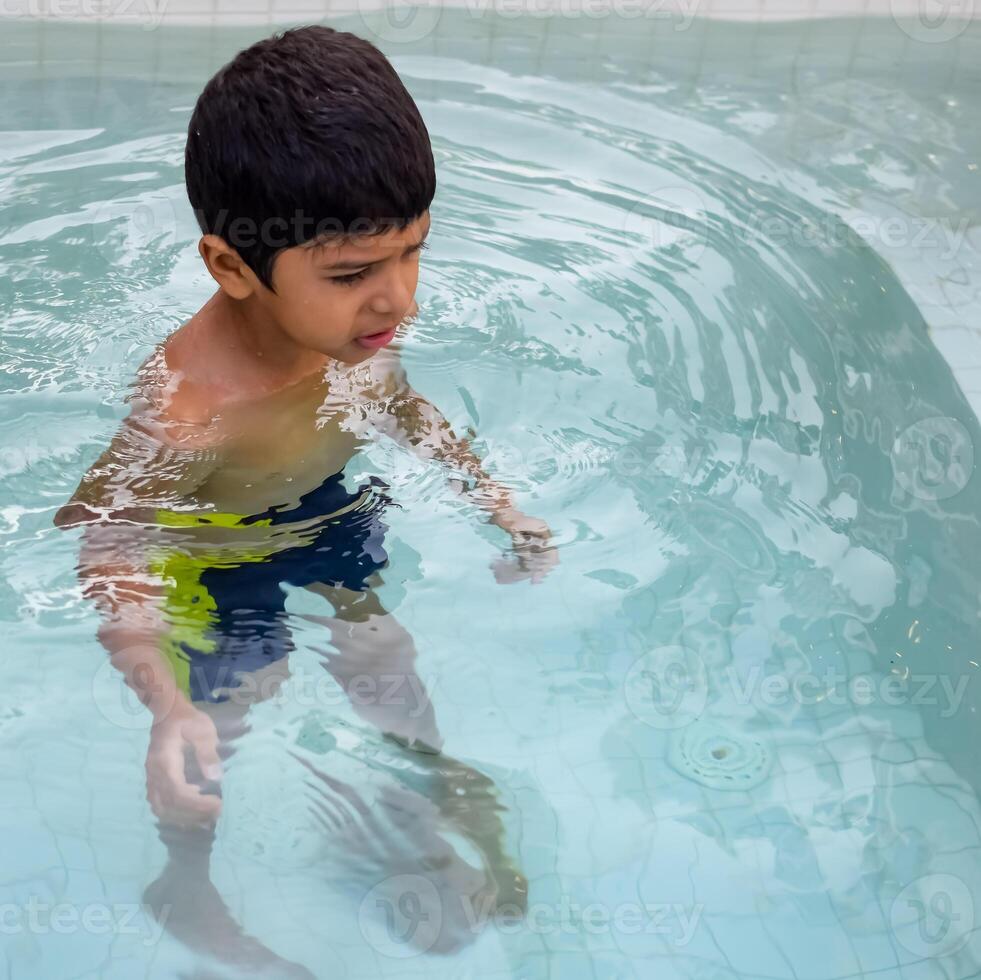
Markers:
336,248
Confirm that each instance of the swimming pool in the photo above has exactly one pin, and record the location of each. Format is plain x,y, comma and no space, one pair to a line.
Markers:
681,289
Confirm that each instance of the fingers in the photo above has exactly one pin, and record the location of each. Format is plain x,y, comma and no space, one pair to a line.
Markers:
507,570
524,563
532,555
189,803
171,797
183,806
537,560
209,761
167,765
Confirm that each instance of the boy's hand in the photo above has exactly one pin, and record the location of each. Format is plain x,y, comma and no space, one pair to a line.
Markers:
175,800
529,538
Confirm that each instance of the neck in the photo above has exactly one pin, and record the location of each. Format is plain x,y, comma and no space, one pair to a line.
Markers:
276,359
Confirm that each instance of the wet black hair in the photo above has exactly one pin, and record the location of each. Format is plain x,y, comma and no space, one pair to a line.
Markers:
308,134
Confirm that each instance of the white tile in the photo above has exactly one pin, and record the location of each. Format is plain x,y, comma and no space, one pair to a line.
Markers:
960,346
242,8
839,8
300,8
196,8
969,380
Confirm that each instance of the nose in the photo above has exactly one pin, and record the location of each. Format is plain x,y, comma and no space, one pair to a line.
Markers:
393,296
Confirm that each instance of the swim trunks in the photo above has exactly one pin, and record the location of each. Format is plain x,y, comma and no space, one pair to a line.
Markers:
225,604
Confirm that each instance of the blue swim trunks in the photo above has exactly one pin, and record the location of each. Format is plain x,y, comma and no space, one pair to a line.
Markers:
225,604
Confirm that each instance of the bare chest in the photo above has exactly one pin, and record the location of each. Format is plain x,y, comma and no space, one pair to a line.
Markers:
286,447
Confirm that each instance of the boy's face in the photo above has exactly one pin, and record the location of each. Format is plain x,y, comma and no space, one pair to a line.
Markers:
329,295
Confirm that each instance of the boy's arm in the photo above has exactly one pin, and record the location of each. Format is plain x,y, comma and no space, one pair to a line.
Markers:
152,462
412,421
113,569
424,430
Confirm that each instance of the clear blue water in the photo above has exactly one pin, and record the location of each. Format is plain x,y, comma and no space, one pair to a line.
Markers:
734,733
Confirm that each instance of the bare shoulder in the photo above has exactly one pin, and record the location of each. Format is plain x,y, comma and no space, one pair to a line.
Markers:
372,382
386,375
180,410
168,446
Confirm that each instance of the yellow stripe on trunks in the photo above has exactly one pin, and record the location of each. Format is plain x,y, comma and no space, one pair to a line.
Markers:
189,608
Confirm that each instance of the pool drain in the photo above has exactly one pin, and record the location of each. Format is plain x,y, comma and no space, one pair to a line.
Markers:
719,757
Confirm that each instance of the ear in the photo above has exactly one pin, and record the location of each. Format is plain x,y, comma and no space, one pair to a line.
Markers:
227,268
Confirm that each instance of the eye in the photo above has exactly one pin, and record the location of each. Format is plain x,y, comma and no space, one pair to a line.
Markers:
350,279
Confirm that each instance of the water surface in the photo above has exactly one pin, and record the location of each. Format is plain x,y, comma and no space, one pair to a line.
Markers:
738,721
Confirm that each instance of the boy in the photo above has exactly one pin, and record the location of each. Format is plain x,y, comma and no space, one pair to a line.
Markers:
311,175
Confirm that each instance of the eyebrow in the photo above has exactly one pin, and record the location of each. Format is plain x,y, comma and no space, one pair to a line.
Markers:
355,264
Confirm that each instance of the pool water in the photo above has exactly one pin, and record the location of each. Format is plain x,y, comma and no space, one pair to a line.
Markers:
733,734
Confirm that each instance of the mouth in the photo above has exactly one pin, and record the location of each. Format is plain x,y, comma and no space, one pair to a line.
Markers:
374,340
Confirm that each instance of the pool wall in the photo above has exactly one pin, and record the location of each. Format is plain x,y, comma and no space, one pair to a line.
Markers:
933,15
